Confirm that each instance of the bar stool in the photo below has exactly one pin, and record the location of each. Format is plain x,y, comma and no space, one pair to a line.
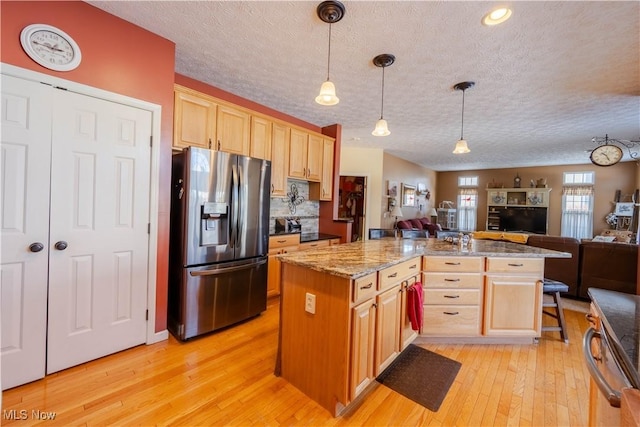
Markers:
553,288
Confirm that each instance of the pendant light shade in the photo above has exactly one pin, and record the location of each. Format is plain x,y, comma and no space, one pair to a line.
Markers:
327,94
330,11
461,145
382,129
383,61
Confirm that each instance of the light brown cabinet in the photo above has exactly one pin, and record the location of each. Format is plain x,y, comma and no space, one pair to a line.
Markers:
407,334
363,326
280,135
194,119
203,121
513,297
390,314
233,128
278,245
298,146
305,155
388,323
260,142
452,295
324,189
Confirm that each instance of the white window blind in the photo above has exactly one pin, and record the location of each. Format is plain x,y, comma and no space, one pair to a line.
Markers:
577,211
467,208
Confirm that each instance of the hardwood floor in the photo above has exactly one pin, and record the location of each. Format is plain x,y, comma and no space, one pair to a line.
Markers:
227,378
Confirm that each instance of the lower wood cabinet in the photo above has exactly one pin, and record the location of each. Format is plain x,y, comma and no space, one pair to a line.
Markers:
363,326
388,322
452,296
278,245
513,297
407,334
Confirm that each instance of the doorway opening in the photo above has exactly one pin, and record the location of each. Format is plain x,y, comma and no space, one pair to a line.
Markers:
352,205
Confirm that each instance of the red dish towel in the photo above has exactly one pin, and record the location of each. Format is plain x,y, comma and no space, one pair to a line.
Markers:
414,306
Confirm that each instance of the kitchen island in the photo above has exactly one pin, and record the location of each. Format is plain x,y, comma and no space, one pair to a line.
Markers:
344,308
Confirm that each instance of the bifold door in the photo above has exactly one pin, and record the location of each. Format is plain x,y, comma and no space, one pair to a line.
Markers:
78,265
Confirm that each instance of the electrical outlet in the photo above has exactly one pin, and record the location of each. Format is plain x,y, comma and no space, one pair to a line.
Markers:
310,303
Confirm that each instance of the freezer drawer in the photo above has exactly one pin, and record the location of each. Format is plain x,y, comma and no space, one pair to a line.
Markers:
216,296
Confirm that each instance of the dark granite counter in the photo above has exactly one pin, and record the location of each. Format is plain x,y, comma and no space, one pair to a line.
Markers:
620,316
307,237
353,260
314,237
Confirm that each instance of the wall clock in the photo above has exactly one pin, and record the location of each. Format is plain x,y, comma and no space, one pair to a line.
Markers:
50,47
606,155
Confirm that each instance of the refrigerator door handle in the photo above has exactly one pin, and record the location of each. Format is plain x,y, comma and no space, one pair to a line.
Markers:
226,269
234,203
240,201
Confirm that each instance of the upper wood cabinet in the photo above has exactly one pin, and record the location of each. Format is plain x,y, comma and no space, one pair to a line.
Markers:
298,146
201,120
260,143
305,155
194,120
314,158
233,130
279,159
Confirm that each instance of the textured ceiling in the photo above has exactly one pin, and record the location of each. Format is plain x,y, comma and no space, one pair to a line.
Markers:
547,80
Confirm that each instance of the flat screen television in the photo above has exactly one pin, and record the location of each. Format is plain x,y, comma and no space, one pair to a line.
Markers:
521,218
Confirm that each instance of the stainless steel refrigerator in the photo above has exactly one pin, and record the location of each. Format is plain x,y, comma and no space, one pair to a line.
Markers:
219,240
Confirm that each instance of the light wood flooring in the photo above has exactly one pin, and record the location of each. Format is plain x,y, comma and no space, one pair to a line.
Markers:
226,378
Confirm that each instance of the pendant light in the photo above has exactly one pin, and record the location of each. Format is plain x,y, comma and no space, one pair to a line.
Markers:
330,11
383,61
461,145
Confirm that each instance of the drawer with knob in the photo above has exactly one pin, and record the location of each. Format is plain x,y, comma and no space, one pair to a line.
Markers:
454,319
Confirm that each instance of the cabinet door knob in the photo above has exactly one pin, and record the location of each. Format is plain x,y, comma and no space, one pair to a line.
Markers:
61,245
36,247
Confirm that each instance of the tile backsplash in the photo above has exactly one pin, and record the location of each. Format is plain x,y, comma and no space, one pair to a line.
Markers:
296,205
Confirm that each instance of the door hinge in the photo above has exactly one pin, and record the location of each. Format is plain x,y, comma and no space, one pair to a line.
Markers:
148,228
151,141
61,88
146,315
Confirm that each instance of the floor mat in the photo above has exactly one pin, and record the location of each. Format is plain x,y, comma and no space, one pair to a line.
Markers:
421,375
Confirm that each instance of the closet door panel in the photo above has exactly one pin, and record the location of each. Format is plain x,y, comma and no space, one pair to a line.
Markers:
24,216
100,208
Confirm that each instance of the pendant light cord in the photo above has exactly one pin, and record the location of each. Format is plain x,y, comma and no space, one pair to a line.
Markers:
329,55
462,127
382,101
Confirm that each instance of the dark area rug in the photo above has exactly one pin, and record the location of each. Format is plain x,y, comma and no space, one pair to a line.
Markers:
421,375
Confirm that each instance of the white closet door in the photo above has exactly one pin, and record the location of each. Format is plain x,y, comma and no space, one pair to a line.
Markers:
24,215
100,209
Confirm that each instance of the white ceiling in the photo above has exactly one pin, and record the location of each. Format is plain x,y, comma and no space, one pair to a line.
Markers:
547,80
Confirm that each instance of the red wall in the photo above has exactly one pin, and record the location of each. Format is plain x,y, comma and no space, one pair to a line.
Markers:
116,56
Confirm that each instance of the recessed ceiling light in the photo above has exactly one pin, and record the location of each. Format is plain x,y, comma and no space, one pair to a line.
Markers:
497,16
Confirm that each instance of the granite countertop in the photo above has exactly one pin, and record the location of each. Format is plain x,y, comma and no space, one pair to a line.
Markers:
620,316
353,260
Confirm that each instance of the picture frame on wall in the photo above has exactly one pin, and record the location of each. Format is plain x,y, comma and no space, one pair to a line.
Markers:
624,209
408,195
392,188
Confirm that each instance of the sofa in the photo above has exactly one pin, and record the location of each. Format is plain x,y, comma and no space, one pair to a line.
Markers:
565,270
419,224
606,265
